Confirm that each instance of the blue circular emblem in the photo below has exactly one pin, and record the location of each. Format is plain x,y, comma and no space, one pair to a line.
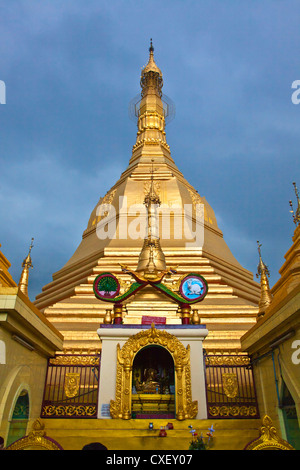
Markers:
193,287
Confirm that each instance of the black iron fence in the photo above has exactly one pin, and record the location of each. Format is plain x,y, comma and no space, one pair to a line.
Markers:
71,387
230,386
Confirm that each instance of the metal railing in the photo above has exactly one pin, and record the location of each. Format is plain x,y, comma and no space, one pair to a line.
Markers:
71,387
230,387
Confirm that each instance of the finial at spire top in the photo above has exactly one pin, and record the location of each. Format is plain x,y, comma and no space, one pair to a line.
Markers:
296,215
151,67
258,247
31,245
27,263
151,48
261,268
265,294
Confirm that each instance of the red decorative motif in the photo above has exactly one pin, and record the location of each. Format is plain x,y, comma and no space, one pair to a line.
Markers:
147,320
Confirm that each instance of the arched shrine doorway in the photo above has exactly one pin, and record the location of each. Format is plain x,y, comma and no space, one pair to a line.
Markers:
184,407
153,384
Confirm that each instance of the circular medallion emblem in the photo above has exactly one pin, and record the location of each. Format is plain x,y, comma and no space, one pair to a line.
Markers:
193,287
106,286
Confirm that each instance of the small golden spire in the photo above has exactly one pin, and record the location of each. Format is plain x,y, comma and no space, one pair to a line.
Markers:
27,263
151,197
265,294
152,258
296,215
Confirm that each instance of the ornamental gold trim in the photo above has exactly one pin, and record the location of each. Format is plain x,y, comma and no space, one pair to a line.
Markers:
230,384
69,411
269,439
235,411
74,360
227,360
174,287
185,408
35,439
72,381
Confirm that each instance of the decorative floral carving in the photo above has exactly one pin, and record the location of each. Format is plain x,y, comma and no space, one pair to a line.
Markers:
69,360
234,410
67,411
227,360
35,439
230,384
269,439
72,380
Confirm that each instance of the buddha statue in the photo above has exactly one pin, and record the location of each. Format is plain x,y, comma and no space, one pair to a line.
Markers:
151,384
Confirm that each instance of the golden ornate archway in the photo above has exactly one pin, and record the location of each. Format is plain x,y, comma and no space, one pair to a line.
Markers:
268,439
35,440
185,408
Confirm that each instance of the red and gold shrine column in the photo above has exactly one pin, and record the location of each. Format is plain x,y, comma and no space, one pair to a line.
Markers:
185,314
118,319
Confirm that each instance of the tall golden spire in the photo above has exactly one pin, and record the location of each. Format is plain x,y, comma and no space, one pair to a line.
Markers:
151,259
151,135
265,294
27,263
296,215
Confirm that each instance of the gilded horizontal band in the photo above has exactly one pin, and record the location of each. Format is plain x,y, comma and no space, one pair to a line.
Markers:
234,410
62,411
75,360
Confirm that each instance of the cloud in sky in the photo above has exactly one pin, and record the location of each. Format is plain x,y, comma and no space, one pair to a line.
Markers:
71,69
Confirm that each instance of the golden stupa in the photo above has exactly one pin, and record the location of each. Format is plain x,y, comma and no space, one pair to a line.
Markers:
230,307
